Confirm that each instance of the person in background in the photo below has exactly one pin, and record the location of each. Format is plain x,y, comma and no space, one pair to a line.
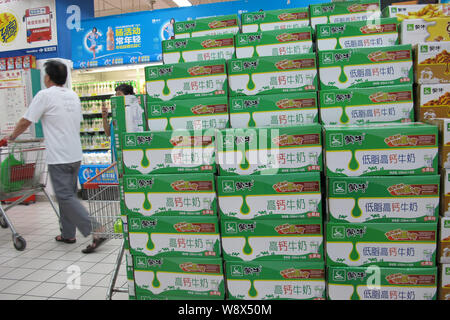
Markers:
121,90
59,110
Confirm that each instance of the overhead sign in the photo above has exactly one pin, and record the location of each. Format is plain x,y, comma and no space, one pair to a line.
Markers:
136,37
28,25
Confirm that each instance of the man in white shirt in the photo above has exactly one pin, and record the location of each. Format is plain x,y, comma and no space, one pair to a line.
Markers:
59,110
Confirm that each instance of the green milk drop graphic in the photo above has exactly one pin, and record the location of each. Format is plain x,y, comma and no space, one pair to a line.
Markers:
147,204
150,244
356,212
166,90
181,58
355,295
244,165
145,162
169,125
252,122
245,209
247,248
252,292
354,255
354,164
155,282
343,77
251,85
344,117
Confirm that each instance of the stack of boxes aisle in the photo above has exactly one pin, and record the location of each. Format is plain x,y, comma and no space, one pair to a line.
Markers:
169,193
376,220
425,28
269,185
245,105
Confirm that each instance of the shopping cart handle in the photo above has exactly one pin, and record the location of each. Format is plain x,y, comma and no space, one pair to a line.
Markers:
3,143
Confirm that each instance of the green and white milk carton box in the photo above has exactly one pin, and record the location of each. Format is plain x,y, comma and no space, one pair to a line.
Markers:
273,110
192,114
275,280
274,43
260,151
381,149
174,236
365,67
358,34
177,151
281,196
367,105
268,240
179,278
384,199
272,75
374,283
345,11
381,244
162,195
275,20
198,49
212,26
190,80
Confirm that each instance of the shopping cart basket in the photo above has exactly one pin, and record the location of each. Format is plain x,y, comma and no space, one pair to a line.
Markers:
23,172
104,211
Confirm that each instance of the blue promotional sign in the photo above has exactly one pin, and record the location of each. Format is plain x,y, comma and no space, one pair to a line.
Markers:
87,172
136,37
40,27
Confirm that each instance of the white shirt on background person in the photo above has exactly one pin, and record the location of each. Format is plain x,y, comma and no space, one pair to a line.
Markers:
59,110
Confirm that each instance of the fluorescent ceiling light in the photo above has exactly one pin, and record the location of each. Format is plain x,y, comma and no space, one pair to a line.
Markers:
183,3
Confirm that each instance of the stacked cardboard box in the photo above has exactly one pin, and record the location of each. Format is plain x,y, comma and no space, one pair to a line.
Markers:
346,11
207,27
377,221
359,34
129,115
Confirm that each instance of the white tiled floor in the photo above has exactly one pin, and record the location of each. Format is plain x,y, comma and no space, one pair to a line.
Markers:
40,271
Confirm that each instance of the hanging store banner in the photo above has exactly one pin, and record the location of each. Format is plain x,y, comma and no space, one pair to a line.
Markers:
28,25
136,37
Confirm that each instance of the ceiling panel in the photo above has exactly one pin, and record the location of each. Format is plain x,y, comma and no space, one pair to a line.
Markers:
112,7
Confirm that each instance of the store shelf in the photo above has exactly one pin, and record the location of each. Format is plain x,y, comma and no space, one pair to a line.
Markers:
96,97
93,131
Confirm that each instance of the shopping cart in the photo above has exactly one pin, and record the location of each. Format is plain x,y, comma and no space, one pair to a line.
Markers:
104,210
23,172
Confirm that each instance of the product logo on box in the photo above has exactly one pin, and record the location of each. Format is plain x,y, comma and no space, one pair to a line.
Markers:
355,232
327,58
325,31
247,227
446,223
340,187
132,183
243,39
231,227
354,139
237,104
410,27
339,275
252,270
154,262
427,90
330,98
338,232
228,186
424,49
236,66
237,271
156,110
337,140
130,141
356,187
447,271
248,185
141,262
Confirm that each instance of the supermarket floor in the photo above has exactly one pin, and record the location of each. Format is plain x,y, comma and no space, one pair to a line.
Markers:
40,271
